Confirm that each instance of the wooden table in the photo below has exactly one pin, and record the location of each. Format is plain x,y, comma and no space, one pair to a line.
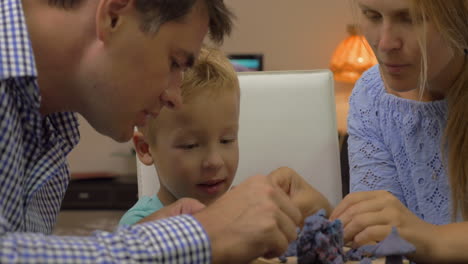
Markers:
293,260
85,222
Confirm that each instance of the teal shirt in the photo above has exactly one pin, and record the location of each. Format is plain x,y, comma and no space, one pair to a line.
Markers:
144,207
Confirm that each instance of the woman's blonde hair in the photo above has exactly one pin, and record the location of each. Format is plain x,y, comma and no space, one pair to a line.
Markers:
450,18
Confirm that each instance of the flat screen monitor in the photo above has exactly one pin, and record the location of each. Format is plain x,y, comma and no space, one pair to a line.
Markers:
247,62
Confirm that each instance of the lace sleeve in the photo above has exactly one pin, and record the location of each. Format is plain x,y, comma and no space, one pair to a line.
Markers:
371,164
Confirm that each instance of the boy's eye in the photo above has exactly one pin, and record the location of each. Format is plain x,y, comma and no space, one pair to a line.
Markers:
227,141
188,146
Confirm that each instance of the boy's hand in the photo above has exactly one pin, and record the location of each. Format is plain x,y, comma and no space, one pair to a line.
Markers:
257,218
181,206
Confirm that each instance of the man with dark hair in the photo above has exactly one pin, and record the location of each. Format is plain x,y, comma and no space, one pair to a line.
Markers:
155,13
117,62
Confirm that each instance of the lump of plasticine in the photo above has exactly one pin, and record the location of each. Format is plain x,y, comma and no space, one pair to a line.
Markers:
393,247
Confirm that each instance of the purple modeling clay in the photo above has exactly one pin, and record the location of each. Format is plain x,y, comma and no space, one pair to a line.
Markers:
321,241
393,247
366,261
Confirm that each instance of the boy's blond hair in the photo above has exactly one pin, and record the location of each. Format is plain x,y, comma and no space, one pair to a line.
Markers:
212,74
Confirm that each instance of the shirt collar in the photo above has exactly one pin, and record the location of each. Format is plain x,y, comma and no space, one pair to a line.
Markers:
16,55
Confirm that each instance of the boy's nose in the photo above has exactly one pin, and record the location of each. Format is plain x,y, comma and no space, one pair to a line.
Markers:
213,161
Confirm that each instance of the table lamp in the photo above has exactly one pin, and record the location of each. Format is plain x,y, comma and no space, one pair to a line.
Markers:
352,57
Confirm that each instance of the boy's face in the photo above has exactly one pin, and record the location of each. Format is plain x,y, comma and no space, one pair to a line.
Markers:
196,151
134,74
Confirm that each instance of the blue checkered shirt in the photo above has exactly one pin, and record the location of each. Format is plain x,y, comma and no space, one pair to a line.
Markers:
34,176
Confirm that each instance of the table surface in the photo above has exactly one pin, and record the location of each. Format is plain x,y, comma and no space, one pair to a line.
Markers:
85,222
293,260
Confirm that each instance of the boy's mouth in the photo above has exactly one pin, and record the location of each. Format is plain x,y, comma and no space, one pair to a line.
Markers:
212,186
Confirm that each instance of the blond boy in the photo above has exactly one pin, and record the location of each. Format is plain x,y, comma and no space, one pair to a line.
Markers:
194,148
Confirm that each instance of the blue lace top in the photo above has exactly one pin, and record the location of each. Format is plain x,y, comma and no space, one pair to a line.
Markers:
395,145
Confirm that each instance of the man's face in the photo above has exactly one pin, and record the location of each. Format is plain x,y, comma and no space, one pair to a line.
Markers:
133,75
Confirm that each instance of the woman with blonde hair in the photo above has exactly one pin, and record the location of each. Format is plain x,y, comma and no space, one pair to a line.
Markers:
408,130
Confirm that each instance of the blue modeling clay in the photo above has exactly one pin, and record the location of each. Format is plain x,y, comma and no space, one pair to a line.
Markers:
393,247
321,242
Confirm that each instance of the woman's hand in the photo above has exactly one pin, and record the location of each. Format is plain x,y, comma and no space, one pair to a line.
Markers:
368,218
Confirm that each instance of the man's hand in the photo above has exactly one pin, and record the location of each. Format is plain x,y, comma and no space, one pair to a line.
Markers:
302,194
181,206
255,219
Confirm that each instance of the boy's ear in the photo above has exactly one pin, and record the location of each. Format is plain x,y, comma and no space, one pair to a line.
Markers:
142,148
109,16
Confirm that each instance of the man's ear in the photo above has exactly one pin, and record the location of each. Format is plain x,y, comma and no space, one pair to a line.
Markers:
109,16
142,148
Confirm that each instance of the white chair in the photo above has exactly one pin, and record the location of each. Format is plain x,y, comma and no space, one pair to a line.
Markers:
286,119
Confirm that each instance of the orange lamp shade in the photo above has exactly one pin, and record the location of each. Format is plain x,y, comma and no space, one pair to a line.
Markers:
352,57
